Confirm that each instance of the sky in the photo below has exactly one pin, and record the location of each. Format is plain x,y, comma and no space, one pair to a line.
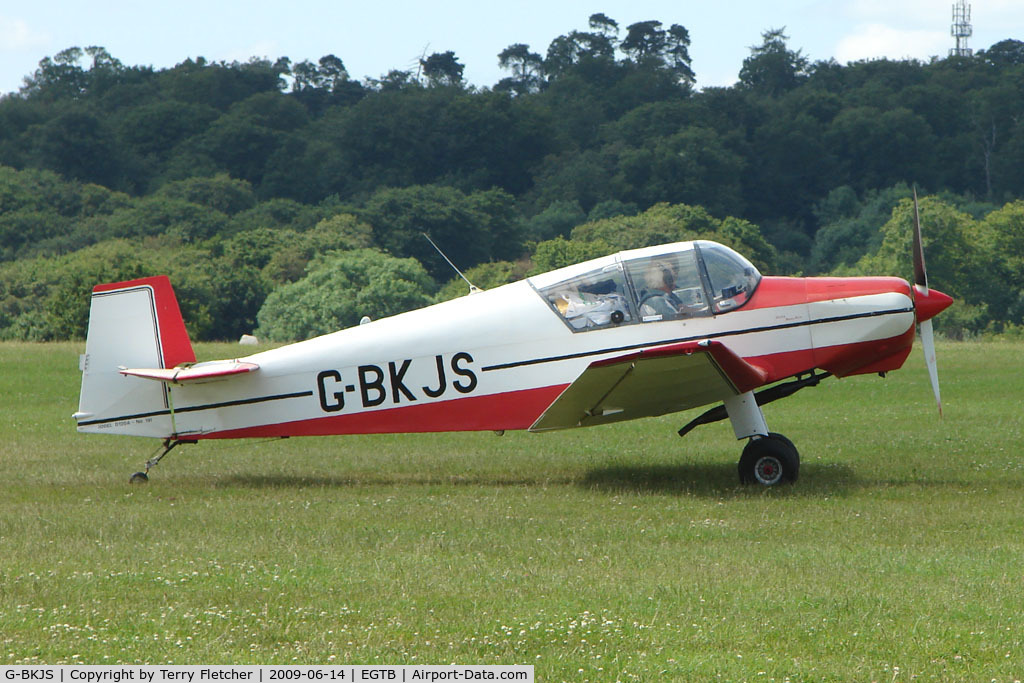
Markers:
373,37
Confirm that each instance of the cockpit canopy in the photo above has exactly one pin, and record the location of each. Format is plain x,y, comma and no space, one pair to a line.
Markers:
654,284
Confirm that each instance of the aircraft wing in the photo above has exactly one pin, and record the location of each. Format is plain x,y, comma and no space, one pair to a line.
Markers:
200,372
651,382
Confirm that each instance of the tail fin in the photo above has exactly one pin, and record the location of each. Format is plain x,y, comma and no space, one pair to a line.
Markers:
131,324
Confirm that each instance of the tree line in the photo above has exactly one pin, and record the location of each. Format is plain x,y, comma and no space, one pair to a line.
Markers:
262,184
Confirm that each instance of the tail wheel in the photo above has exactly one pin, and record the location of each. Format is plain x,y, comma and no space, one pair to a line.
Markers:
769,461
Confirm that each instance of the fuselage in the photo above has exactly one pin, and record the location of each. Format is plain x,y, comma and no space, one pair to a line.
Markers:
495,360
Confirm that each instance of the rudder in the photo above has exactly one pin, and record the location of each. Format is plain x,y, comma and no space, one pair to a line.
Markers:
131,324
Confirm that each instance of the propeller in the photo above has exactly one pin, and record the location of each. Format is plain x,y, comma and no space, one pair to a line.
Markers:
927,304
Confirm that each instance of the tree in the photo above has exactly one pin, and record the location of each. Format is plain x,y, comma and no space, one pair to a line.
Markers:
394,80
219,297
153,129
471,229
159,215
678,54
580,48
23,229
80,145
610,208
585,178
418,136
63,75
442,69
277,214
995,113
67,305
563,53
327,81
292,254
526,68
647,44
791,166
219,85
560,252
645,40
40,213
339,290
329,73
57,76
241,141
1005,53
878,148
848,227
772,68
1005,295
556,220
221,192
604,25
692,166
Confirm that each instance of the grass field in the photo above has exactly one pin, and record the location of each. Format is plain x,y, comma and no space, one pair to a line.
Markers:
615,553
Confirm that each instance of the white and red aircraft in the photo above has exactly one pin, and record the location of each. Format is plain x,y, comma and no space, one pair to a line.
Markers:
635,334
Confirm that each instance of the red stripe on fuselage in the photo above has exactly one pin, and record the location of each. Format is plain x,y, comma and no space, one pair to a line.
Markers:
857,358
790,291
508,410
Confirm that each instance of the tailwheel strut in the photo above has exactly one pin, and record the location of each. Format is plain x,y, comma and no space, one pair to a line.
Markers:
168,446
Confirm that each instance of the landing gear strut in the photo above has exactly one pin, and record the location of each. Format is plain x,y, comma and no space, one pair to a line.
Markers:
169,444
768,458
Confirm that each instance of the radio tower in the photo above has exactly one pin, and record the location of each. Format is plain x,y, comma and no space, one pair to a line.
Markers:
961,29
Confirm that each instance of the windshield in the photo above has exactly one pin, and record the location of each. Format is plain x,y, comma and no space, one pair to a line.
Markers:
731,277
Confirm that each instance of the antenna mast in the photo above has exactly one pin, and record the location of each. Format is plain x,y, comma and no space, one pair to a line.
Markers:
473,289
961,29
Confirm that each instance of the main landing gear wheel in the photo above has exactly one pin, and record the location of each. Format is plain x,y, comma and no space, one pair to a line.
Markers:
769,461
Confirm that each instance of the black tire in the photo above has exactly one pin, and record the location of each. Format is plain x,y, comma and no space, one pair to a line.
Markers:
769,461
138,478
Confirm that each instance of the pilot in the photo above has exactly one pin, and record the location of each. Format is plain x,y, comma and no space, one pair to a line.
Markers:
660,298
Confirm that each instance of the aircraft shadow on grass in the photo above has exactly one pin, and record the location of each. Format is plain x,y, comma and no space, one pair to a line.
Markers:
716,480
263,481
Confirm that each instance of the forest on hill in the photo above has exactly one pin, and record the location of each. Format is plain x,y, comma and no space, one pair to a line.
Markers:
290,198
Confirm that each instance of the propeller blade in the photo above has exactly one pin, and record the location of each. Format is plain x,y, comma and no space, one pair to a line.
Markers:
926,305
920,275
928,344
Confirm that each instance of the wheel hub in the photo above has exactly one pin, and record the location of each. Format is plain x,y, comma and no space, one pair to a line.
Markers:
768,470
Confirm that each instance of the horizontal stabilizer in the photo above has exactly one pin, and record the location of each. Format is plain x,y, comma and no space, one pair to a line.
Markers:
651,382
200,372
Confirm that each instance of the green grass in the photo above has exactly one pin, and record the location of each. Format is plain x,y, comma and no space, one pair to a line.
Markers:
615,553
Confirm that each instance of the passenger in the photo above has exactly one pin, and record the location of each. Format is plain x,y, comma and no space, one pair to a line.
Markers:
660,299
587,309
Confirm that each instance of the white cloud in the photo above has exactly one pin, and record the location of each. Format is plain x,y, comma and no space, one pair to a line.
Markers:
15,34
874,41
